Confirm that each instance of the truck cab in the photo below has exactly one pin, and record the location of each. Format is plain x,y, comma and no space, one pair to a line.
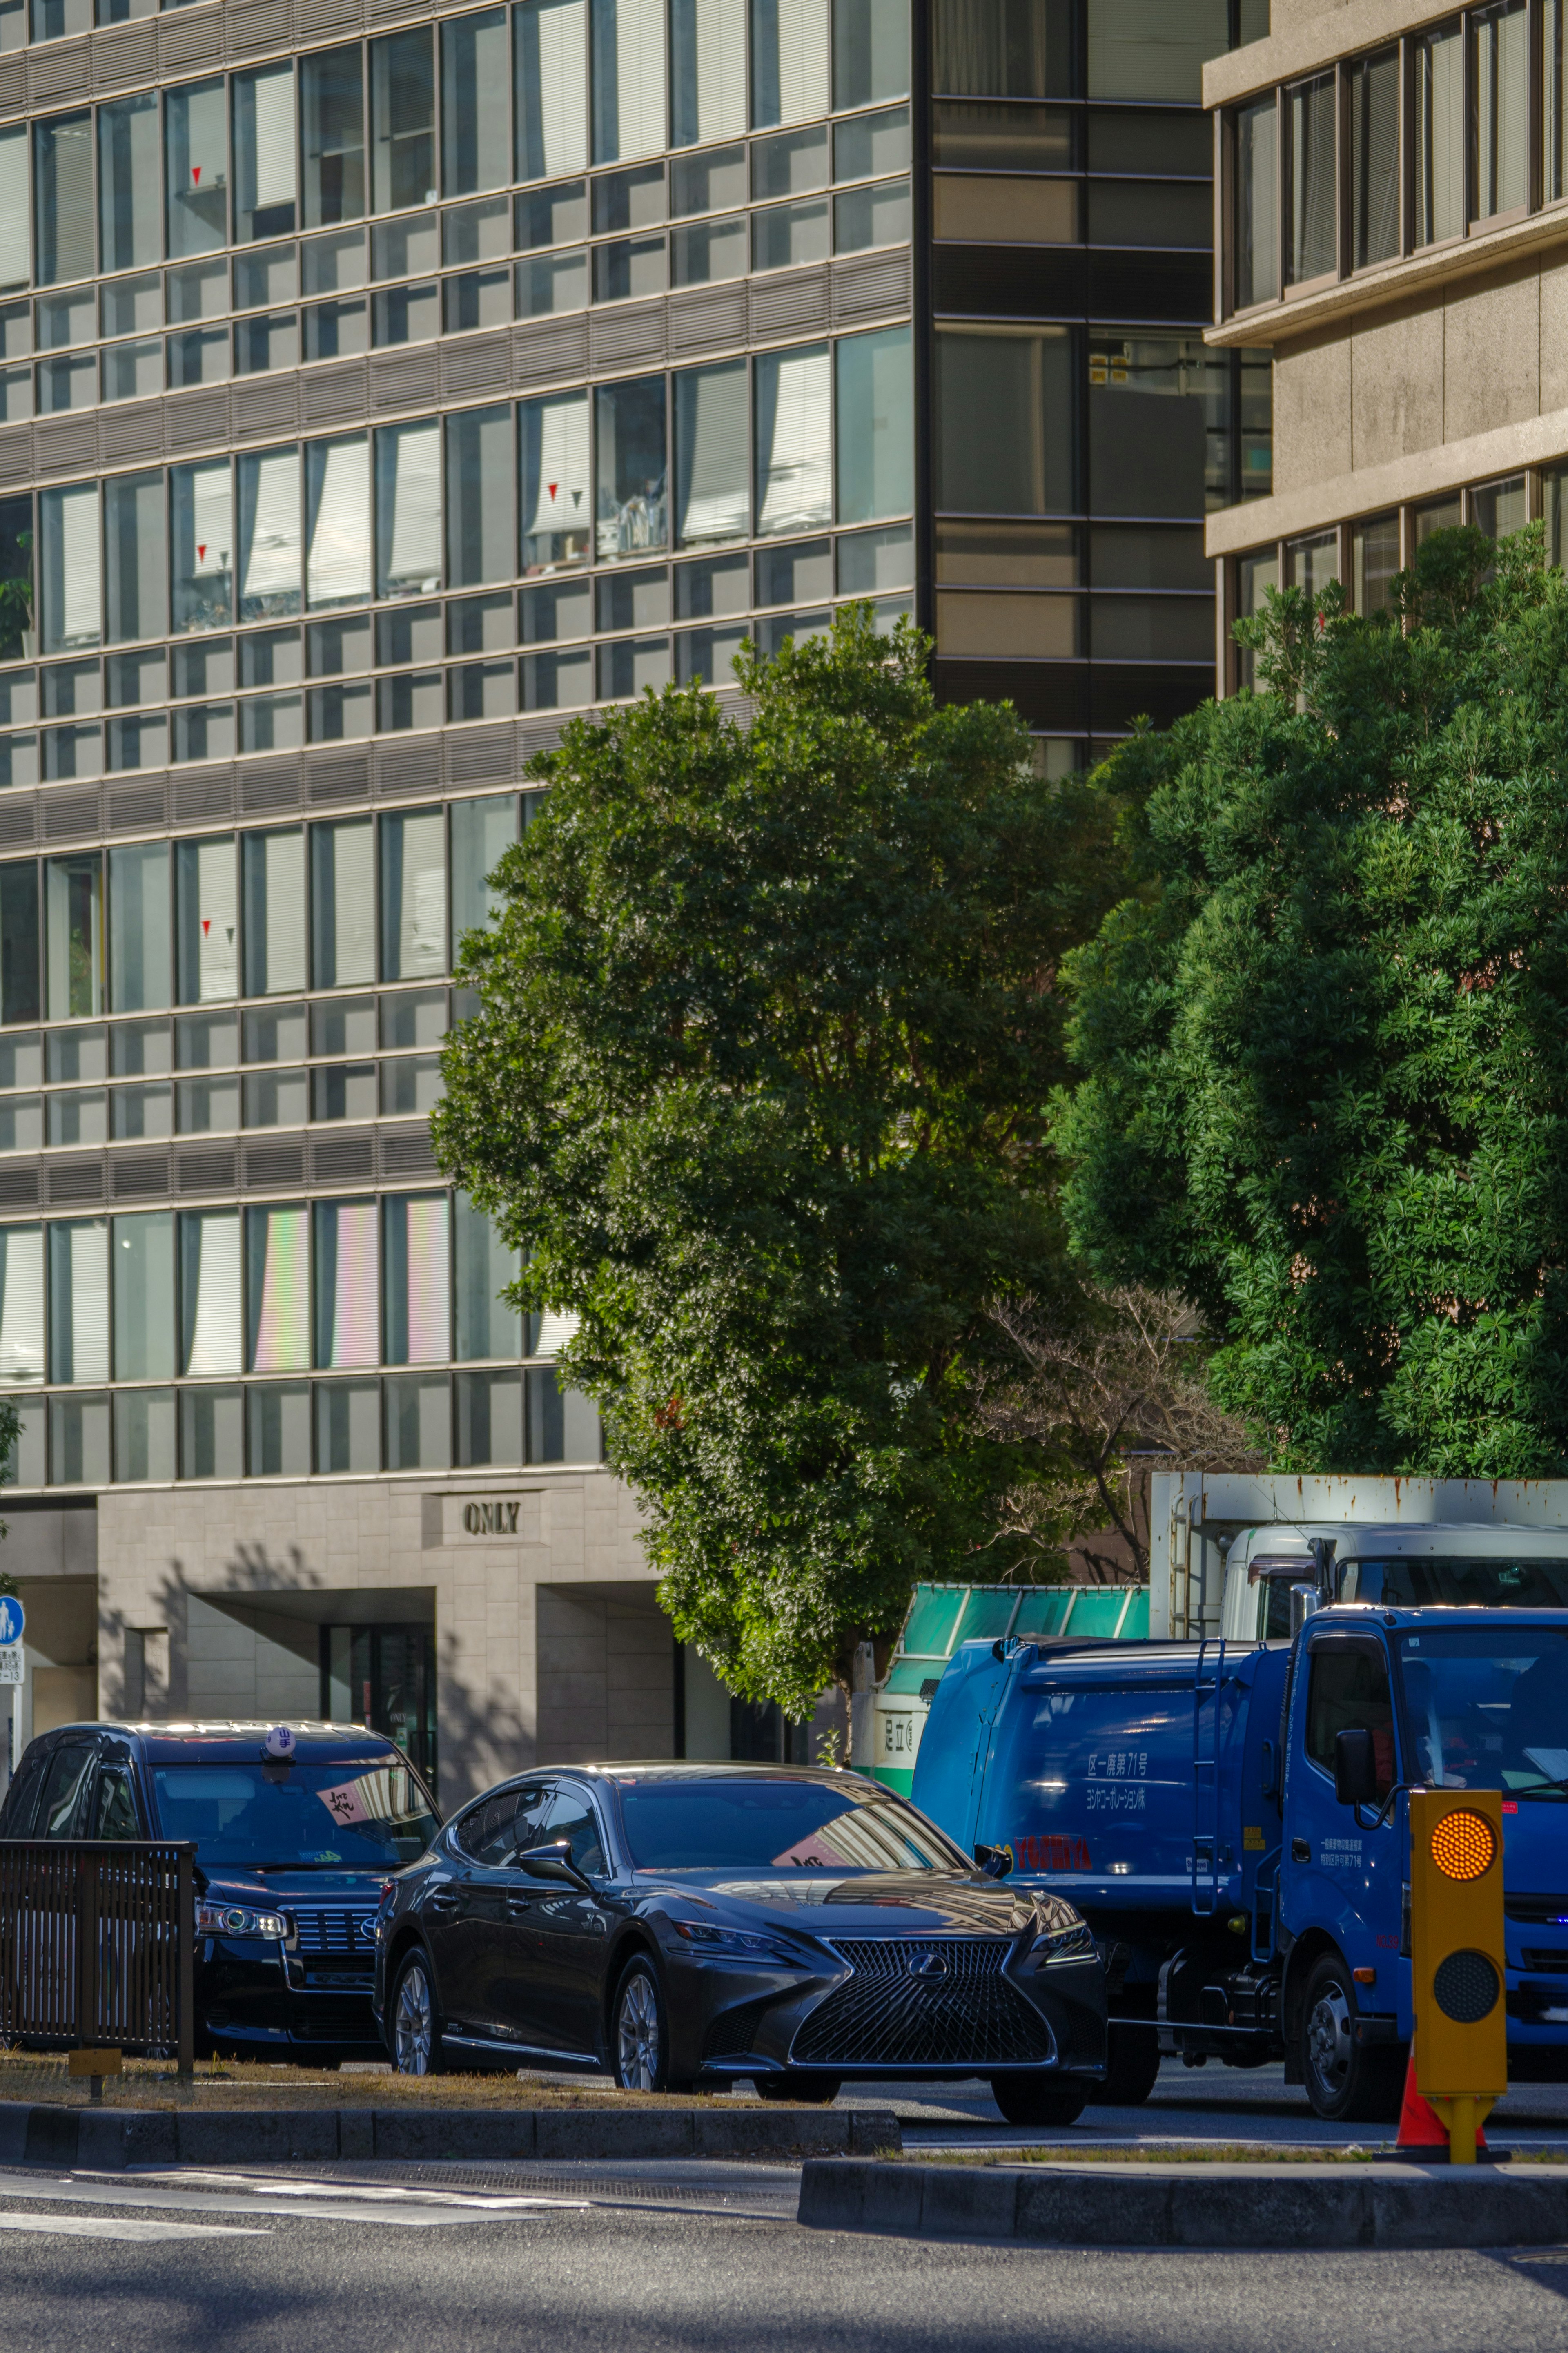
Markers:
1466,1565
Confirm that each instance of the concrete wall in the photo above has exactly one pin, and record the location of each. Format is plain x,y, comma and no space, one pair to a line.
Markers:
607,1674
173,1562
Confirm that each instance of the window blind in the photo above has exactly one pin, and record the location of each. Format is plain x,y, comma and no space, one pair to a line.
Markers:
708,98
344,891
209,1290
15,211
552,88
269,533
712,488
555,465
409,517
209,922
628,79
418,1287
278,1290
794,470
275,904
413,896
78,1304
21,1304
338,494
345,1283
1147,49
271,99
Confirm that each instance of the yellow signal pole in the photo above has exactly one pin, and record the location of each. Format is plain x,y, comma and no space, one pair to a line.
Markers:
1457,1959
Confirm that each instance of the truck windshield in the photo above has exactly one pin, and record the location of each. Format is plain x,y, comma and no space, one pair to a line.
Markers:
362,1815
773,1824
1487,1708
1431,1581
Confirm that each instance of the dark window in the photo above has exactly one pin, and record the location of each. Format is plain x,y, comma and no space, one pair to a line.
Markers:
498,1826
1349,1692
572,1817
61,1806
22,1798
114,1804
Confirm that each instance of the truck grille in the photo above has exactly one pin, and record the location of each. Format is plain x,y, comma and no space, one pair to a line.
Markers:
344,1935
1537,1911
1546,1960
887,2015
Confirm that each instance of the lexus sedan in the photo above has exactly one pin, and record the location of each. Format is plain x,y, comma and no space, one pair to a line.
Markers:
679,1922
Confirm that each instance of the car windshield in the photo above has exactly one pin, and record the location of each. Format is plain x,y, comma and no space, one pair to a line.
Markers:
362,1814
774,1824
1431,1580
1487,1708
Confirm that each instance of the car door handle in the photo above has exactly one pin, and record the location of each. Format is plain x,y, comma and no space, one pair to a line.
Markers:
441,1904
518,1905
1300,1851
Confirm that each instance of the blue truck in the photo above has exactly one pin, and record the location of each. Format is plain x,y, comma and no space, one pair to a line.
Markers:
1230,1816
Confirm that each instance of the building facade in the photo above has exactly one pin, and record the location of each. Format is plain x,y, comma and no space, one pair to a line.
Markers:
380,383
1391,225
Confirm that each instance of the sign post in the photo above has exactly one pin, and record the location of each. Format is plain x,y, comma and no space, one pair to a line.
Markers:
13,1669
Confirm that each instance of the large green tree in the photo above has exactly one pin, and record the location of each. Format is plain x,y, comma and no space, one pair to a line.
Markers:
1324,1050
768,1028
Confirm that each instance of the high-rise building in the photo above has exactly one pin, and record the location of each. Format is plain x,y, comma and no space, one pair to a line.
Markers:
1393,230
378,385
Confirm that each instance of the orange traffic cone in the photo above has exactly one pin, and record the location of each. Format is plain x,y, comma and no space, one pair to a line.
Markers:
1420,2126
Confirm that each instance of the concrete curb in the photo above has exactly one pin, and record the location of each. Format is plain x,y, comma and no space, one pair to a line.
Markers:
107,2139
1091,2208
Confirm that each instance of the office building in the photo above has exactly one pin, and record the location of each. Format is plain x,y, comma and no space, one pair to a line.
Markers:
379,385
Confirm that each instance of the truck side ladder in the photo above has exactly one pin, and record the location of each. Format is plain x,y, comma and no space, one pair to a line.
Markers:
1208,1681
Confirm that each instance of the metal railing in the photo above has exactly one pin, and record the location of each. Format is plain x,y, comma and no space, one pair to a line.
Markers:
98,1946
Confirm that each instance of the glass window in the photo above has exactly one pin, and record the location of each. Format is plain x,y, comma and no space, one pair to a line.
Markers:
563,1426
69,568
711,468
476,111
142,1112
206,919
1312,564
196,182
481,498
482,832
1158,407
1500,67
343,894
130,230
789,234
1311,251
136,556
75,900
19,961
410,1084
269,555
408,510
863,218
346,1283
274,883
212,1433
1148,49
793,441
276,1034
144,1444
1004,397
489,1418
209,1290
416,1274
551,95
556,501
873,143
628,78
139,957
630,503
201,506
278,1290
418,1422
267,342
332,97
1439,136
207,1106
1500,508
79,1300
485,1266
279,1430
264,145
874,437
21,1305
1349,1692
1554,90
870,51
1374,560
337,492
1373,99
708,252
1256,204
16,208
143,1255
403,121
708,58
413,895
62,172
348,1424
789,60
1009,48
78,1444
78,1115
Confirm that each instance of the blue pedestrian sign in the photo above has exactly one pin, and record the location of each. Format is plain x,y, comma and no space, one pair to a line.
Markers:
13,1618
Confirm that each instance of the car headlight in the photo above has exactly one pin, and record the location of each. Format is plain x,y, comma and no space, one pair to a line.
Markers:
236,1920
732,1943
1075,1943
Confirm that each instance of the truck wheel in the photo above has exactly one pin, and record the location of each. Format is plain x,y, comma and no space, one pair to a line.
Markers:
1134,2068
1346,2082
1036,2100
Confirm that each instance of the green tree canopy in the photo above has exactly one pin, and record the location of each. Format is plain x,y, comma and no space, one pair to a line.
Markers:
1323,1052
768,1030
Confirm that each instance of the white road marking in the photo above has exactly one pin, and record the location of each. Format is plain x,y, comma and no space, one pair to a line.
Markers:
324,2204
104,2226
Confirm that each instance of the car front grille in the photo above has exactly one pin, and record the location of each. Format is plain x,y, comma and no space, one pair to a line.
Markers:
887,2015
344,1935
733,2033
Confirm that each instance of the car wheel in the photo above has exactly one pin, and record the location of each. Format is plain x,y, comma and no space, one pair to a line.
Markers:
416,2021
639,2036
1134,2071
1037,2100
1346,2082
792,2084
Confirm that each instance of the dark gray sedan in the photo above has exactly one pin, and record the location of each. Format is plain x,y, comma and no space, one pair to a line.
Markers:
685,1922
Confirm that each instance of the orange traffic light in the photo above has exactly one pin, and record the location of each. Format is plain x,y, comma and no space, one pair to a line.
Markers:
1456,1957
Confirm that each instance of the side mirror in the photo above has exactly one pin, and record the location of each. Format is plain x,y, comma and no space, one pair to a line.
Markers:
552,1861
993,1861
1355,1769
1305,1602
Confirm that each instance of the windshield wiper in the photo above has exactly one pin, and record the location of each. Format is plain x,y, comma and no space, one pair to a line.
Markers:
1528,1788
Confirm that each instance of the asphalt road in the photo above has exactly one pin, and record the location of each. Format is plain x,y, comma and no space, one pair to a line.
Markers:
339,2267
